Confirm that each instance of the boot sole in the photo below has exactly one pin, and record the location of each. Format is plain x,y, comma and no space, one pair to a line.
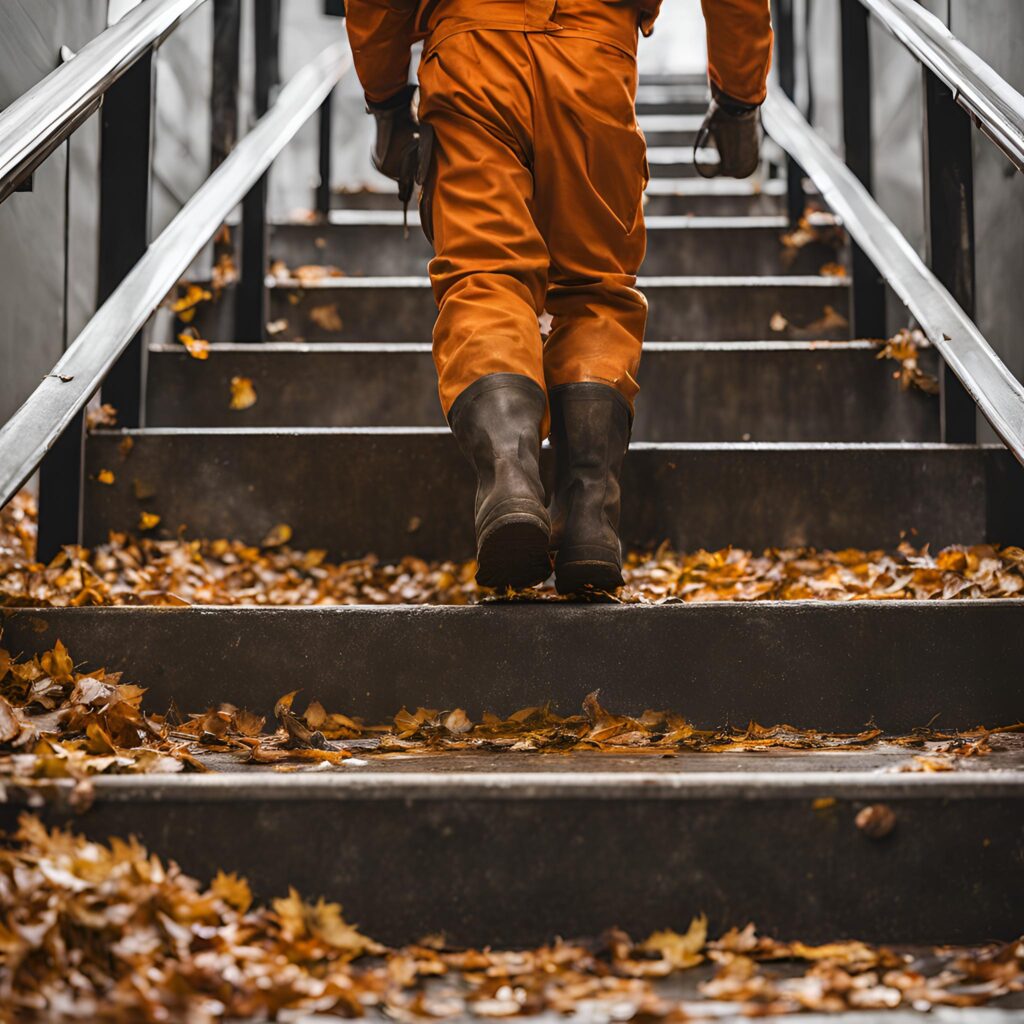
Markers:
574,577
514,553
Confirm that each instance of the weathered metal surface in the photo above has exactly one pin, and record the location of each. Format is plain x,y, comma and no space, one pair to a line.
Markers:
374,242
399,309
397,492
830,666
729,391
520,860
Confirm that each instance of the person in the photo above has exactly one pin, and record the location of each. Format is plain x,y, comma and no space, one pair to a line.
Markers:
533,169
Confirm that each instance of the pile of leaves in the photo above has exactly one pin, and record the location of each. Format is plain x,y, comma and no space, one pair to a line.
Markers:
108,932
129,570
58,721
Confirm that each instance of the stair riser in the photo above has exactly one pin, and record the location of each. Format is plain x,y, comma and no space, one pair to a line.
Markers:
382,249
711,204
834,667
704,395
516,871
669,137
683,168
399,313
661,103
397,494
698,204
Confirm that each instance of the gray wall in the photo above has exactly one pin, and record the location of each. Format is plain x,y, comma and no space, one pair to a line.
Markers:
33,324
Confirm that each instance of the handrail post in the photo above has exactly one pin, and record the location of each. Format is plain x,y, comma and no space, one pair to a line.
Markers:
126,160
126,157
949,232
227,31
332,8
60,492
785,35
251,297
869,319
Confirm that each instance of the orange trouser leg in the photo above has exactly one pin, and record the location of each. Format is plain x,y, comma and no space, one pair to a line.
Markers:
590,172
490,270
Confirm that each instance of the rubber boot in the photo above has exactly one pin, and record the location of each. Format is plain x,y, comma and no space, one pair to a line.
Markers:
590,426
496,422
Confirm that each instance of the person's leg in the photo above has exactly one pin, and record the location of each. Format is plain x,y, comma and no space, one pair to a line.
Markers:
591,171
490,267
489,276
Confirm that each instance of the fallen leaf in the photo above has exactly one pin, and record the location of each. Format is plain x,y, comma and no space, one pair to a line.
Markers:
243,394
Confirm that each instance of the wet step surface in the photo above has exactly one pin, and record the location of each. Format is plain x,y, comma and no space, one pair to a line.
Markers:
730,391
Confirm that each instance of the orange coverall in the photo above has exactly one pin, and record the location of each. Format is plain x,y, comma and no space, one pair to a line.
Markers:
536,189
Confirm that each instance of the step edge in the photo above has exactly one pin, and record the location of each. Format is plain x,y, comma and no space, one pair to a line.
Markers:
600,786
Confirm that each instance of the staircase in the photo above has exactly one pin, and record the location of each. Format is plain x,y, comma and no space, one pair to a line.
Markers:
762,421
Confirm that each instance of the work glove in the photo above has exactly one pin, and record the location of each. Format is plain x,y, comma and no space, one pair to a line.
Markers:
736,130
396,148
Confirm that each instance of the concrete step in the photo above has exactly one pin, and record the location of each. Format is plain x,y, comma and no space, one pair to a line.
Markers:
719,197
409,491
669,130
815,665
667,101
402,309
680,161
371,242
725,197
727,391
506,857
695,80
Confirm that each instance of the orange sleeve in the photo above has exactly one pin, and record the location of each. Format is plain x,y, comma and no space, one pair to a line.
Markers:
739,47
381,33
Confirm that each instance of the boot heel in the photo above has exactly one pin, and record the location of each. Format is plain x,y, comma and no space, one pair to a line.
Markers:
573,577
514,552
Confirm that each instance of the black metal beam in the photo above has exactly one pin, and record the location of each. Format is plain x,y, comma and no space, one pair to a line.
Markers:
126,159
785,44
868,287
227,27
949,227
60,492
323,190
251,297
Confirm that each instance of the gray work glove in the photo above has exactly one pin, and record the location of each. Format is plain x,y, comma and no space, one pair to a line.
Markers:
736,130
395,150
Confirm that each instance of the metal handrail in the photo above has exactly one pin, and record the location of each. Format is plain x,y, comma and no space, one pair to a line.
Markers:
995,106
38,121
64,392
998,394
